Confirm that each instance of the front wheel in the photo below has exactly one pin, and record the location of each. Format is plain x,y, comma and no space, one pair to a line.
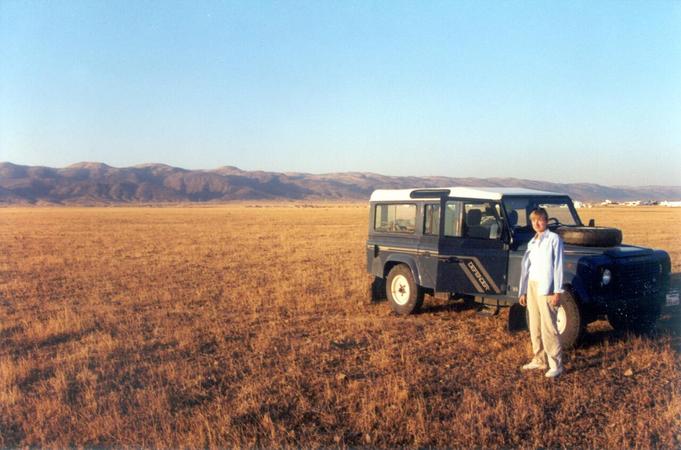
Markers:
406,297
570,321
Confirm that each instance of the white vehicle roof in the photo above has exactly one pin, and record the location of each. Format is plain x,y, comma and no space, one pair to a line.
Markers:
483,193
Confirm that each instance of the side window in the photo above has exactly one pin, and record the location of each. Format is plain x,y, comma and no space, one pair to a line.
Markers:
519,216
432,219
482,220
517,213
395,218
452,223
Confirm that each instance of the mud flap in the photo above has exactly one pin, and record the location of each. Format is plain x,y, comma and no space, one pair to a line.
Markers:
516,318
377,290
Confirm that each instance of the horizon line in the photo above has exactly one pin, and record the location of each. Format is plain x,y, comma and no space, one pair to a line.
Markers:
149,164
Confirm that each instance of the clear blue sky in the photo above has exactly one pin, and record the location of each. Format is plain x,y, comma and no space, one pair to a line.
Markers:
561,91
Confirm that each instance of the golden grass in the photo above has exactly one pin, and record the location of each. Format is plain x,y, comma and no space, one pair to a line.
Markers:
236,326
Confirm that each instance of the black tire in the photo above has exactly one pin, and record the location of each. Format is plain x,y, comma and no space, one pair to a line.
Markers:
638,318
575,323
591,236
377,290
405,296
571,321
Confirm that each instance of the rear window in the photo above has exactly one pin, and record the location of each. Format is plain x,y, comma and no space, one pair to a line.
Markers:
395,218
431,222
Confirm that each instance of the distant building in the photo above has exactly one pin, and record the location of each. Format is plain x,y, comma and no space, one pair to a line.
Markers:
675,204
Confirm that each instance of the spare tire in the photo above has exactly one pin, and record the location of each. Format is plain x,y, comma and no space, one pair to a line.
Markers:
591,236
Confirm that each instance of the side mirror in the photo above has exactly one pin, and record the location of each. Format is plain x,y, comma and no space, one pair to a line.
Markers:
592,223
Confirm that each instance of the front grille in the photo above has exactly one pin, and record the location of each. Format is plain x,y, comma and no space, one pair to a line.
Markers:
636,279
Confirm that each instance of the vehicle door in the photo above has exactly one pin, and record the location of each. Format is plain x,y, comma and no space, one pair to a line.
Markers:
473,252
428,243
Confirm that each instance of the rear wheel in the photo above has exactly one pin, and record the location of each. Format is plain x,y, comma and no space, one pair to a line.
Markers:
405,295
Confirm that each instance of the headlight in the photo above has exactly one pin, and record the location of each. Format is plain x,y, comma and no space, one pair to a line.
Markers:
607,276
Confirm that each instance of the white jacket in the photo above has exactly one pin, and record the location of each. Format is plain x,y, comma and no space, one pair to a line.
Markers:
550,247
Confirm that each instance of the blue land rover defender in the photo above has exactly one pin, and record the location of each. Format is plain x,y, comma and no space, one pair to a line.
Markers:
469,242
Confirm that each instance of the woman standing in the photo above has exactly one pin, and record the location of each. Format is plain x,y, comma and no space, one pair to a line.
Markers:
541,283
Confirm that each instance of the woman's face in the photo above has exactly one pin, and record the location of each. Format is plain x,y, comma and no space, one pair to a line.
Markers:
539,223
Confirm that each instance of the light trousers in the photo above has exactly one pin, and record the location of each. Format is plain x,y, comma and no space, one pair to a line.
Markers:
543,330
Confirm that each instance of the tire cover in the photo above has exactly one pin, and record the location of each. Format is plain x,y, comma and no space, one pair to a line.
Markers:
591,236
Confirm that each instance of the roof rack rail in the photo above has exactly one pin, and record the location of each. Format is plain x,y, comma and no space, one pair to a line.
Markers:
429,193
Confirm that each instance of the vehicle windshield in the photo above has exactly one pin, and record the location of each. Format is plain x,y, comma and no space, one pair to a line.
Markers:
560,210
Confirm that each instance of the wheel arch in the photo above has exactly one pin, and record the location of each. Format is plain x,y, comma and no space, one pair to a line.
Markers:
394,260
578,292
576,286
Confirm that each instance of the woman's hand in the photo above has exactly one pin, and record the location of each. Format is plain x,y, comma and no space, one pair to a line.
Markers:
523,300
554,299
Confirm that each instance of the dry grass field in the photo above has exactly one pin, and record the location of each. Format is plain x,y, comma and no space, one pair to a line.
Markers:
237,326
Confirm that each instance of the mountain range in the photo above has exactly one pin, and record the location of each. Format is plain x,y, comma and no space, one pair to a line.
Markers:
91,183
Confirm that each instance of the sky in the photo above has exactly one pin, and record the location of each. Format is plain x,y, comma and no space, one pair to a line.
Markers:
563,91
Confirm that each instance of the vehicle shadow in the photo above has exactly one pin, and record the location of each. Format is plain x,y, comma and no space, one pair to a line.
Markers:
668,326
447,306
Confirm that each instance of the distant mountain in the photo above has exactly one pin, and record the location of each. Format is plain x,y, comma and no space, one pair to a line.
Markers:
91,183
